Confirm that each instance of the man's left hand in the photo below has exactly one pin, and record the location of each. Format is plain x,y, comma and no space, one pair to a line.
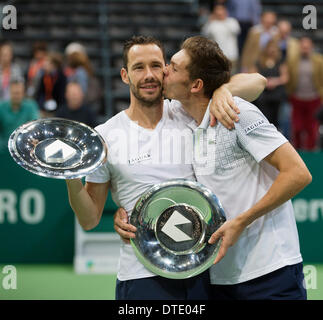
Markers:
229,232
223,108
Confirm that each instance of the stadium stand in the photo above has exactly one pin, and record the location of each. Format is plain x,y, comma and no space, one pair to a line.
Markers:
102,27
293,12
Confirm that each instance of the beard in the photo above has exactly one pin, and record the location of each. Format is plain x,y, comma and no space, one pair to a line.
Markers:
146,101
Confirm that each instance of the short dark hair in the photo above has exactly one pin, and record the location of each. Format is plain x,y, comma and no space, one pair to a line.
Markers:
265,12
305,36
6,43
140,40
207,62
56,59
39,46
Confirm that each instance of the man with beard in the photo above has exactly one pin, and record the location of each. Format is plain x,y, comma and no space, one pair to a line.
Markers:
141,155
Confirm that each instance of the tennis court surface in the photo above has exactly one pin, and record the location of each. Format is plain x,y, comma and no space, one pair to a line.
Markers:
60,282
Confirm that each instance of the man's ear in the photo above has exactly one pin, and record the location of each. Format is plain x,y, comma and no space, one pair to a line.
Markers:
197,86
124,75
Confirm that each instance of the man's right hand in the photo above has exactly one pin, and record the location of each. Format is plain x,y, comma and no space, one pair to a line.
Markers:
125,230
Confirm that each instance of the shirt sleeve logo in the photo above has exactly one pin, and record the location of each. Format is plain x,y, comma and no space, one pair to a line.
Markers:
254,126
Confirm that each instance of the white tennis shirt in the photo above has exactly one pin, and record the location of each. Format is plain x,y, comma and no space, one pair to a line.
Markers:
139,158
230,164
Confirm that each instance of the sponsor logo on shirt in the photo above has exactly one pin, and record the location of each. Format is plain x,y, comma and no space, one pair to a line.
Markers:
142,157
254,126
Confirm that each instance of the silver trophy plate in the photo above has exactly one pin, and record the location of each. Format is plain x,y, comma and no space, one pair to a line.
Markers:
174,222
57,148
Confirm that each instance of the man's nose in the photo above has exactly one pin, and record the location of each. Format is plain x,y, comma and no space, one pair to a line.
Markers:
149,73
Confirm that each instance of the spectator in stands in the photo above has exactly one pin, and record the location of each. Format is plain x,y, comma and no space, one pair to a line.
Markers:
74,47
16,111
305,87
224,31
8,70
71,48
209,4
257,39
289,46
247,12
75,108
272,67
80,69
50,94
36,64
206,10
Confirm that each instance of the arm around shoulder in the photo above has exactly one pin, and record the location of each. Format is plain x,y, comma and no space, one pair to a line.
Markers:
247,86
